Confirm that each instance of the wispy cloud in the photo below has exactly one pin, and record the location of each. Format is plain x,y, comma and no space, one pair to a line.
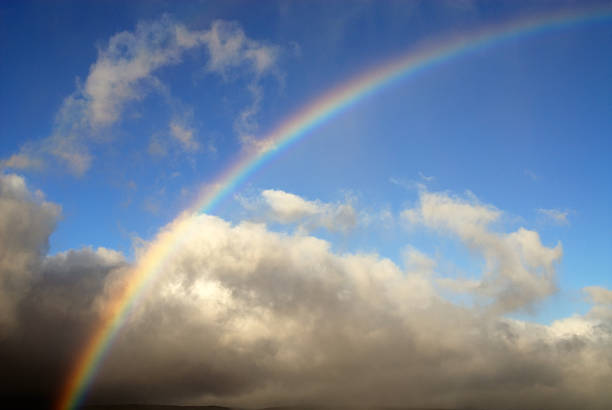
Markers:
124,72
425,177
184,135
555,215
21,161
418,184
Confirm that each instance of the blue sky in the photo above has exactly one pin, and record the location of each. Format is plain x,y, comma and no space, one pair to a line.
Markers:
523,125
421,245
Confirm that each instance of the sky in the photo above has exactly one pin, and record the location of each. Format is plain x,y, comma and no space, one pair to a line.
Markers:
443,240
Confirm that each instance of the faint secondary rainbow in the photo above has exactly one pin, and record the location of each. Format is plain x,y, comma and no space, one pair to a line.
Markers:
151,263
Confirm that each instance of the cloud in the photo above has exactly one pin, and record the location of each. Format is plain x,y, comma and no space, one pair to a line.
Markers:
412,185
555,215
290,321
26,221
21,162
601,298
287,208
382,218
156,146
425,177
185,136
417,261
599,295
245,316
229,48
519,270
125,72
125,66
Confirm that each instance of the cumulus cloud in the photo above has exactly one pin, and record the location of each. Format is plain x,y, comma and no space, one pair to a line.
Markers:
124,72
46,305
288,208
245,316
26,221
519,270
290,321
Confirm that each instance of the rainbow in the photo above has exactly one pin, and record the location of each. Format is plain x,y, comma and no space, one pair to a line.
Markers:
151,263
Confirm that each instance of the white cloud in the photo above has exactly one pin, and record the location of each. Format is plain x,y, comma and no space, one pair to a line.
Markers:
125,66
229,47
519,270
416,260
288,208
124,72
555,215
575,326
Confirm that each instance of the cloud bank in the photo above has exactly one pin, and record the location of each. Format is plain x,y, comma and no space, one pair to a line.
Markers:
242,315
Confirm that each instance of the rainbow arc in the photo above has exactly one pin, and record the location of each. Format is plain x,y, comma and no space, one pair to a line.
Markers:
297,126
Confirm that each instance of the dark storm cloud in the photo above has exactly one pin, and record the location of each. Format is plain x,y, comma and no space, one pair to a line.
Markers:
244,316
45,302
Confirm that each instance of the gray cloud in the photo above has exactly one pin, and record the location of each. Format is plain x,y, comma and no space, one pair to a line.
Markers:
245,316
26,221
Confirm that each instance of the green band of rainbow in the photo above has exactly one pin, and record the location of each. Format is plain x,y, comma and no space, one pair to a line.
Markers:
151,263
